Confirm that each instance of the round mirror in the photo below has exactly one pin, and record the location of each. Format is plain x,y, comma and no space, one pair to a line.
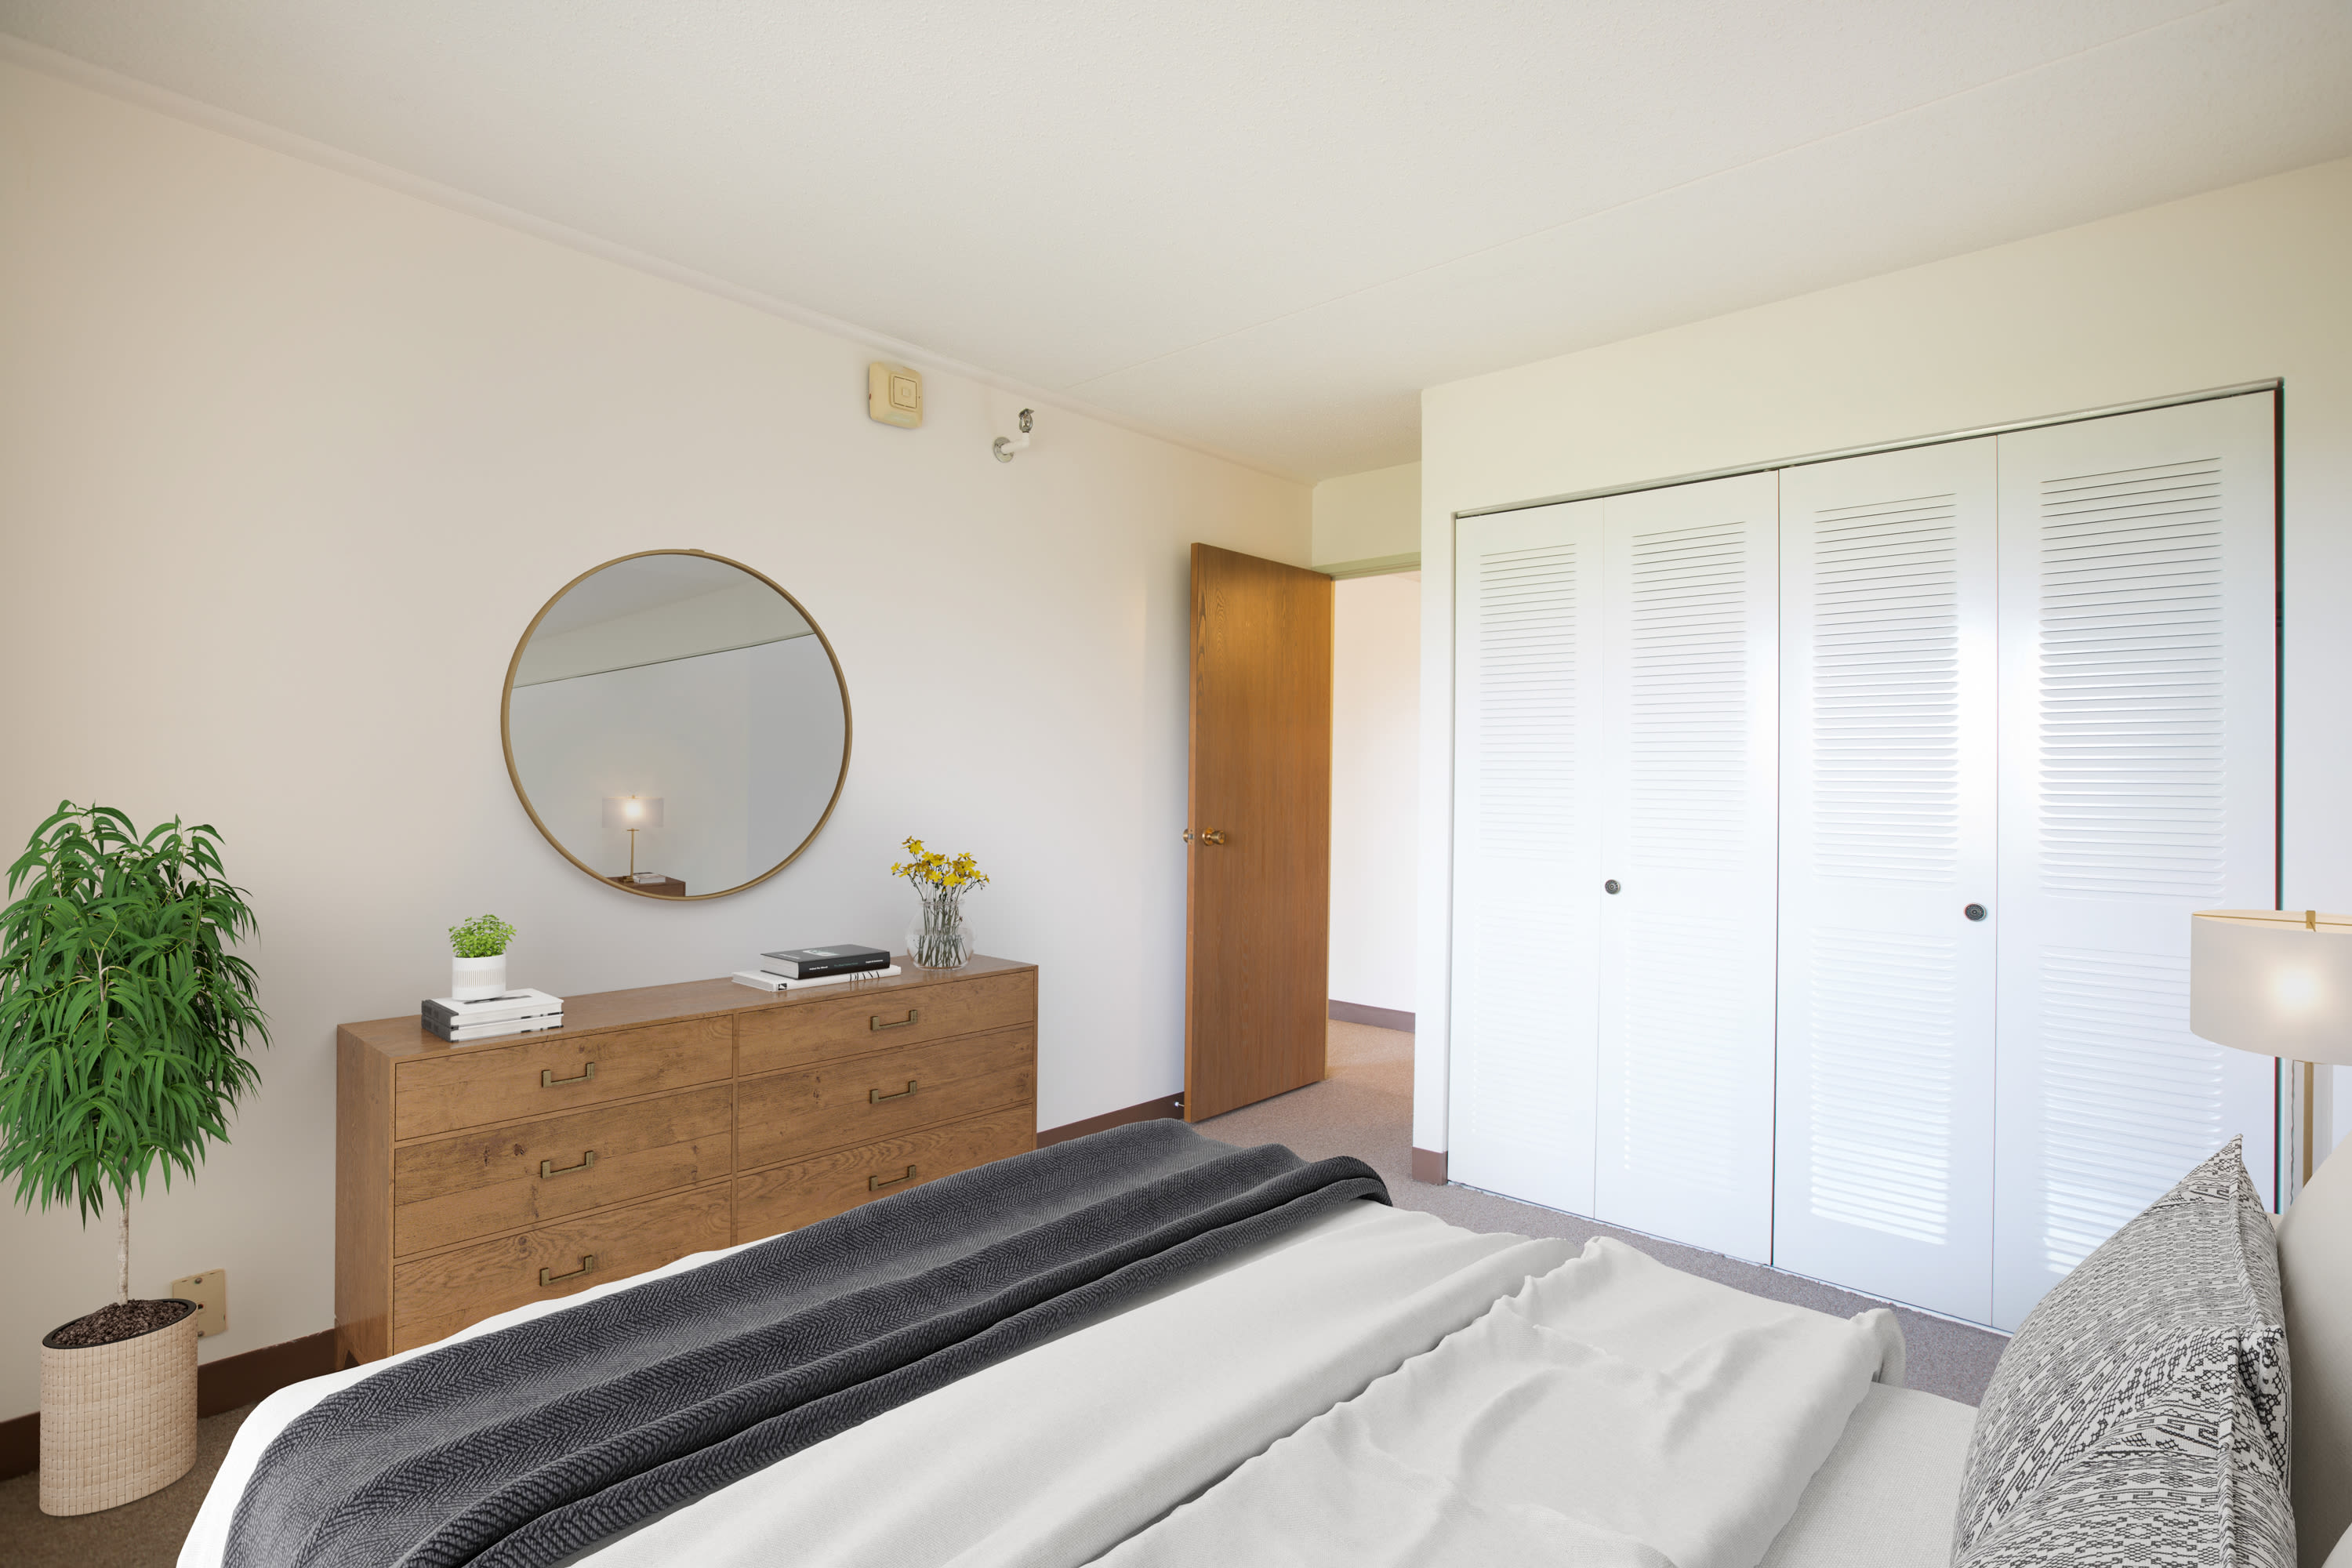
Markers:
676,725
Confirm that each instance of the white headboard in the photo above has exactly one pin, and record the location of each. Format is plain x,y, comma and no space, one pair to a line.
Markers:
2315,1271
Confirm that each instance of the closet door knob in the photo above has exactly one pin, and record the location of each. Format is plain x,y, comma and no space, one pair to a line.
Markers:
1611,886
1974,911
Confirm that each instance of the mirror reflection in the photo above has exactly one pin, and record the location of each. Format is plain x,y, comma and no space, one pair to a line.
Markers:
676,725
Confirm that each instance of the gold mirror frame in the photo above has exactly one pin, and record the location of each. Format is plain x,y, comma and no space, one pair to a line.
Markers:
506,733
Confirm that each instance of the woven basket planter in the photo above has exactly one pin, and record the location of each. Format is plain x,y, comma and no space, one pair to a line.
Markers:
117,1421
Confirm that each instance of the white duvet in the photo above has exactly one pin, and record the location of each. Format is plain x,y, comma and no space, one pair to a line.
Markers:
1613,1412
1698,1414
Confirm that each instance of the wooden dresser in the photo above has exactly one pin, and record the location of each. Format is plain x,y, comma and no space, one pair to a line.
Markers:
661,1122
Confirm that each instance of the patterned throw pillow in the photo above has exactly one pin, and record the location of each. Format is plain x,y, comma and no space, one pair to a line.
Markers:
2140,1414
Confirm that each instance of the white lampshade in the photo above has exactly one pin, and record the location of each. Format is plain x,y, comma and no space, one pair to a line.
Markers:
2274,982
633,811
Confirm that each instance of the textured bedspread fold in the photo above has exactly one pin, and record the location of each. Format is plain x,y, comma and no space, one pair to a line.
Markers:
521,1447
1614,1414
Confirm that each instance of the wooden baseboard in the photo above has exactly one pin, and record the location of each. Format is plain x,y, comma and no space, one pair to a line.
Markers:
1378,1017
20,1445
1167,1107
223,1384
1429,1165
235,1380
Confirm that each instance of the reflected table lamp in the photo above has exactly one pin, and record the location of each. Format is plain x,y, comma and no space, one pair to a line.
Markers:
2277,984
632,812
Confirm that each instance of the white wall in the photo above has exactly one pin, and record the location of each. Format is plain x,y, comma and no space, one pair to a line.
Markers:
1368,516
1375,788
2235,285
254,414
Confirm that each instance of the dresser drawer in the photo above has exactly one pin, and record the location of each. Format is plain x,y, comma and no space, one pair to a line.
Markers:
804,1032
477,1183
791,1115
438,1295
476,1085
786,1198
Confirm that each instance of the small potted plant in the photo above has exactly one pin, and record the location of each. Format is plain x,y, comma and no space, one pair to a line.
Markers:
123,1022
479,966
940,937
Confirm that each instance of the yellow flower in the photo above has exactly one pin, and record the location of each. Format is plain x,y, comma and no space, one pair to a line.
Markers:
928,867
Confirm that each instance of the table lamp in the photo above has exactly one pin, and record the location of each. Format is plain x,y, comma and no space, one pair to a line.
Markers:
632,812
2277,984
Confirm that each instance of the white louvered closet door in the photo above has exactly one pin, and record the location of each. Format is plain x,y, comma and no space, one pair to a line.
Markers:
2138,766
1888,770
1527,712
1685,1049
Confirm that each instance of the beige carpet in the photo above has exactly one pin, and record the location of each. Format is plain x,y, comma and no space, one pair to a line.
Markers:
1365,1109
142,1534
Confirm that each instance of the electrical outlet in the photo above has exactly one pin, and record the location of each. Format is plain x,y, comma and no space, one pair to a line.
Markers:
209,1291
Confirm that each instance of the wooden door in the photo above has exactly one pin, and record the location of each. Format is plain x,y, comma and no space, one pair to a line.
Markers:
1259,861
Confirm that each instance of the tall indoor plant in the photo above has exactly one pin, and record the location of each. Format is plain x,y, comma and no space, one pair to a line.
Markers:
123,1022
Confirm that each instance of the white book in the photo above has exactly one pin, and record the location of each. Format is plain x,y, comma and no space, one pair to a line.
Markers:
466,1034
522,1004
761,980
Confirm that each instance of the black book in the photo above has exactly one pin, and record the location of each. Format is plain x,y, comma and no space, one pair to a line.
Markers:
815,962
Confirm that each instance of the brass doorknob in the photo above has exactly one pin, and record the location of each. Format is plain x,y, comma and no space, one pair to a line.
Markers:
1213,836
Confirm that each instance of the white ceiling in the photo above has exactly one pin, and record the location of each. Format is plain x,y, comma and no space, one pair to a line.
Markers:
1262,226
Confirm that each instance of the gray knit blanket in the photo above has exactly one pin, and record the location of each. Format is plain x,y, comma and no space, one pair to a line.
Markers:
528,1446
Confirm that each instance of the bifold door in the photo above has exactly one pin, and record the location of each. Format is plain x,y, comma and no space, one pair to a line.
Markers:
1616,667
1826,843
2139,747
1527,759
1688,823
1887,850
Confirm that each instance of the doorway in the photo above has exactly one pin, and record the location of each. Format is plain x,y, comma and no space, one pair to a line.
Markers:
1375,799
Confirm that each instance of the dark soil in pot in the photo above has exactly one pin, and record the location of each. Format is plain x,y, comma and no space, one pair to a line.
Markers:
116,1321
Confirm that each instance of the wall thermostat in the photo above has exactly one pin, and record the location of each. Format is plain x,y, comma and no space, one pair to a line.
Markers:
894,394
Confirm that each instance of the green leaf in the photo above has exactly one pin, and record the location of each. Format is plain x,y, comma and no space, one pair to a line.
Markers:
124,1020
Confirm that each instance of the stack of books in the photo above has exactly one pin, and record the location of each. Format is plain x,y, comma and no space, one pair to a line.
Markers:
487,1017
796,967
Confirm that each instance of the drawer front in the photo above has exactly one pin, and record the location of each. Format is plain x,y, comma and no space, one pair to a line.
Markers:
804,1032
791,1115
789,1196
473,1085
477,1183
438,1295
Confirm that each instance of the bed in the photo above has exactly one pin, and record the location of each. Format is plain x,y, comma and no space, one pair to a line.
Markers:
1366,1384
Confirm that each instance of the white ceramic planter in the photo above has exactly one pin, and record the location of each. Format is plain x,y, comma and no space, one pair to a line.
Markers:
473,978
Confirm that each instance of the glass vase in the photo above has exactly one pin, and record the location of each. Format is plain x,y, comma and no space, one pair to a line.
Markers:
940,938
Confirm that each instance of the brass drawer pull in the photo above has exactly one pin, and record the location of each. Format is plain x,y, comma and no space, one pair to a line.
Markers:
550,1168
547,1078
876,1183
876,1097
914,1016
587,1261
